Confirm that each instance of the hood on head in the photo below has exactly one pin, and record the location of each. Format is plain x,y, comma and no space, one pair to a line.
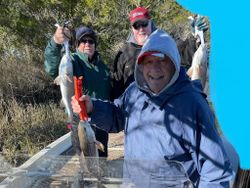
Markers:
162,42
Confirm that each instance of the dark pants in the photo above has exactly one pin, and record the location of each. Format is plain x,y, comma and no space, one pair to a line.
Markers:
102,136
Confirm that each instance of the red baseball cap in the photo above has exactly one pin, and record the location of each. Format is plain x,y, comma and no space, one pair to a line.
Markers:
140,13
151,53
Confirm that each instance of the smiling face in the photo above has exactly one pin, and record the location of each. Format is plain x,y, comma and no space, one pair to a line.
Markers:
157,72
141,31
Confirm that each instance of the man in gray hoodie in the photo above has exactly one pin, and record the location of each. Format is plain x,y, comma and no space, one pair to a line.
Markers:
164,118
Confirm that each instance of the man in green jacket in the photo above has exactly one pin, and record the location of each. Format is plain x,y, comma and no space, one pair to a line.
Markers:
87,63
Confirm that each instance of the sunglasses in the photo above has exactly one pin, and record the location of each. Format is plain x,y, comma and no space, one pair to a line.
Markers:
87,41
138,25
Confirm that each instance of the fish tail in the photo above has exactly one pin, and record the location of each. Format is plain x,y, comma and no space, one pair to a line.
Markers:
100,146
57,80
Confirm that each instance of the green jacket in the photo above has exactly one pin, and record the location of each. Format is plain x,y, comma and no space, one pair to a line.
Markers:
96,76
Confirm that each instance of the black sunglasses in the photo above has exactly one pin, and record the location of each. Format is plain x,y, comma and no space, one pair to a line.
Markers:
138,25
90,41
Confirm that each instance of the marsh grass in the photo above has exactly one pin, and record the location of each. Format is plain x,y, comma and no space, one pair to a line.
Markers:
30,116
24,130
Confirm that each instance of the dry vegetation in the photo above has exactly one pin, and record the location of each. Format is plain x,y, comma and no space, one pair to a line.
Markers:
30,117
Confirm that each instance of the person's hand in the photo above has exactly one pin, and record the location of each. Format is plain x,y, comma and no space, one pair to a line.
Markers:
88,103
199,22
60,35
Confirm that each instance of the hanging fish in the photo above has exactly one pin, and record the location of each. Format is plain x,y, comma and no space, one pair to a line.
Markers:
65,80
89,160
198,69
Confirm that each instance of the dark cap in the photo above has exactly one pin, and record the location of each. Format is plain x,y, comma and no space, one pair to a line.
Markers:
83,31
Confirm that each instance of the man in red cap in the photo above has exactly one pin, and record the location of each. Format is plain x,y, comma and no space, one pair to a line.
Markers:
140,21
142,26
124,63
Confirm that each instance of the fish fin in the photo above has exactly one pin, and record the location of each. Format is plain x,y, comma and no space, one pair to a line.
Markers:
57,80
68,78
99,146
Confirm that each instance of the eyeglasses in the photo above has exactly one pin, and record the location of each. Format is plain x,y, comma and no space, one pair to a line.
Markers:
87,41
138,25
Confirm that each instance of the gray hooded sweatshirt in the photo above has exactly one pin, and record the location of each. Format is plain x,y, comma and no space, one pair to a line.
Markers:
174,125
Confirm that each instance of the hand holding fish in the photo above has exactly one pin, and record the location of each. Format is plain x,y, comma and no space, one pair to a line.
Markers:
76,106
60,36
